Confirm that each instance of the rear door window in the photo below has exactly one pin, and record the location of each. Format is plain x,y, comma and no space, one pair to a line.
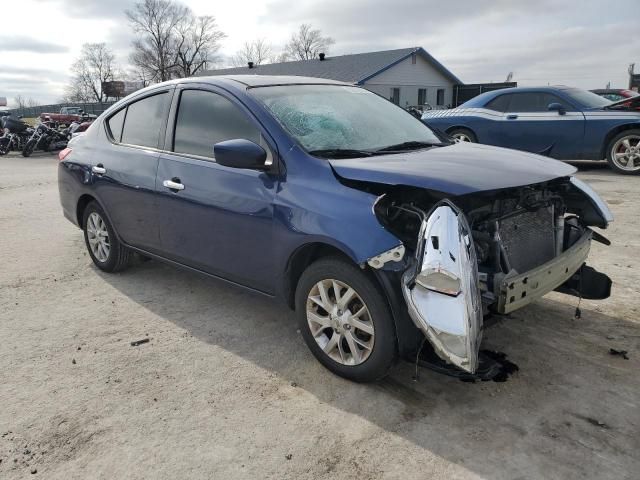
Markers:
206,118
145,119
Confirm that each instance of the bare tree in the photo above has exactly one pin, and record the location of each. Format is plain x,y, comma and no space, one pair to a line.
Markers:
307,43
20,101
280,57
197,42
155,21
23,102
257,51
172,42
95,65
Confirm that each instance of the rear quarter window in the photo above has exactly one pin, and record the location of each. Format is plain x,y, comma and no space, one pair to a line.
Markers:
499,104
115,122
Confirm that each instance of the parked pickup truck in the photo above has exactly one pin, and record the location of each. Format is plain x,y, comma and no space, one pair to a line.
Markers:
67,115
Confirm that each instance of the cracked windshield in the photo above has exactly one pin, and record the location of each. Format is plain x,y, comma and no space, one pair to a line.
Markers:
326,118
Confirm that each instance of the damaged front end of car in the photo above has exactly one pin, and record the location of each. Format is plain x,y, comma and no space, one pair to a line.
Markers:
489,252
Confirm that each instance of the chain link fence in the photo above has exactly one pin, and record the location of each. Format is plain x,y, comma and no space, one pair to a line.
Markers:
89,108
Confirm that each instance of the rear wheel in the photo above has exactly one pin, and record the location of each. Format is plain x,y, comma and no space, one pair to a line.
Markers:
105,249
345,320
463,135
623,152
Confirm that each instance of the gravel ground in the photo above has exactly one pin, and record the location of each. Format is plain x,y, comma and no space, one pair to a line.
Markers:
225,388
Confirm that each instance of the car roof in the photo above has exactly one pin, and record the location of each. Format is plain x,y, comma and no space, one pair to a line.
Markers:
262,80
485,97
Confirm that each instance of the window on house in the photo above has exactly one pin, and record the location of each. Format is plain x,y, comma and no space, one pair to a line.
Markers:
395,96
440,97
422,96
413,58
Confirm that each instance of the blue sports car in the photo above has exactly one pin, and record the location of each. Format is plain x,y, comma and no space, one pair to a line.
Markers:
560,122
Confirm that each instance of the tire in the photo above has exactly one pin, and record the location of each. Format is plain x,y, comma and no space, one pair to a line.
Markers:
5,145
463,135
375,345
622,149
118,257
28,148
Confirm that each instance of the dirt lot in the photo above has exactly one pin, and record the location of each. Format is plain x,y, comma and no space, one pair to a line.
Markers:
227,389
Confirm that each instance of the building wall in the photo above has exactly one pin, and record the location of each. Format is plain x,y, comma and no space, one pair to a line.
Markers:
409,77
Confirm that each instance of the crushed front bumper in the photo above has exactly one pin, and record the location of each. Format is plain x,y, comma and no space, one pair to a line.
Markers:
519,290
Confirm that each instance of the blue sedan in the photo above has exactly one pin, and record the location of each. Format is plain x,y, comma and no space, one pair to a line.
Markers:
387,240
559,122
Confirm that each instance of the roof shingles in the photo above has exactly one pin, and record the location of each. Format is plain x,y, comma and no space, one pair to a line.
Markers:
346,68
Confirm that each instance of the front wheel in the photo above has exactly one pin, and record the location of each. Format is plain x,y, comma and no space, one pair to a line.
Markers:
5,145
28,148
463,135
623,152
345,320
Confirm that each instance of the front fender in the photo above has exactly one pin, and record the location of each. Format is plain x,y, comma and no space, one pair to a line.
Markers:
333,214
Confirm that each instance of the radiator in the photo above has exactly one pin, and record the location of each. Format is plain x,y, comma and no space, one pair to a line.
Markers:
528,239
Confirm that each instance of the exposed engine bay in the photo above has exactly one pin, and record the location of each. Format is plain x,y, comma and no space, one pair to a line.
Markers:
490,252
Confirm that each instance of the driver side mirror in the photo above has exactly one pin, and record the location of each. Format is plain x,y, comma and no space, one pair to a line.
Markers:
240,153
556,107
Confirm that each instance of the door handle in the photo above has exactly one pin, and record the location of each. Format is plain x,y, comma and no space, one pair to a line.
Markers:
99,169
173,184
512,116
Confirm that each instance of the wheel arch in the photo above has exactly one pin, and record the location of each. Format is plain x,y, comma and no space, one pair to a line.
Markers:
387,283
458,126
615,131
84,200
300,259
461,127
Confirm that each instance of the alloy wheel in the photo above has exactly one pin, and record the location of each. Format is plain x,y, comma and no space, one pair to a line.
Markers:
461,137
98,237
340,322
626,153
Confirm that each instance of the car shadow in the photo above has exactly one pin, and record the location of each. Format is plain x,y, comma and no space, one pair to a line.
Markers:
570,412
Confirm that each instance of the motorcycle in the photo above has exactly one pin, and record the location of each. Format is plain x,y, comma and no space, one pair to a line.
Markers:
45,138
76,128
15,134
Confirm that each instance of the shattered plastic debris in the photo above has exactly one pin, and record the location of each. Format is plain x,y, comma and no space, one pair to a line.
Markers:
620,353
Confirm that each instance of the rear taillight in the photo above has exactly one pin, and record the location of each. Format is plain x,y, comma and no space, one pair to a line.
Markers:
64,153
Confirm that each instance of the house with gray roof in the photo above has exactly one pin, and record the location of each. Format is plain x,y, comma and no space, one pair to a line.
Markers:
407,76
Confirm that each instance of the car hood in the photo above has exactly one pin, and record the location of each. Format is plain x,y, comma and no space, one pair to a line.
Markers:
456,169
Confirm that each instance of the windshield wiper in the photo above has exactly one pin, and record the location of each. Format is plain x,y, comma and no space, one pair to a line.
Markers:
341,153
412,145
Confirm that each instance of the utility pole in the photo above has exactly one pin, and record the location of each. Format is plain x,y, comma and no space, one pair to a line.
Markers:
631,71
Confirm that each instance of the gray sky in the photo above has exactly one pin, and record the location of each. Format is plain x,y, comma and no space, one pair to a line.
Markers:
585,43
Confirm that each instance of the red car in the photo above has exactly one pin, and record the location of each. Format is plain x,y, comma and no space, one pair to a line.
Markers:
66,116
617,94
